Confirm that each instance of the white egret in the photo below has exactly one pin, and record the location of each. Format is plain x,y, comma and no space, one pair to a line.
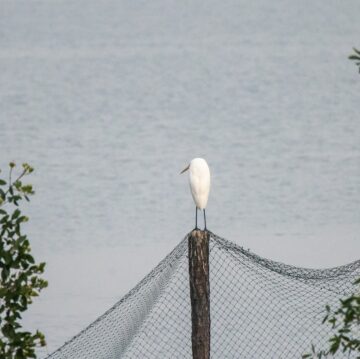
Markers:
199,179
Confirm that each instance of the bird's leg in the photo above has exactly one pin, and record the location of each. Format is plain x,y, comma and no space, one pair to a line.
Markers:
196,227
204,219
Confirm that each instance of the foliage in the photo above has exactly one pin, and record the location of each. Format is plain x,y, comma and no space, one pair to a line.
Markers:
345,321
356,57
19,280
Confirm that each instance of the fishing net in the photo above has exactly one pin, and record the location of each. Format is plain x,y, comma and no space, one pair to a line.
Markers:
259,309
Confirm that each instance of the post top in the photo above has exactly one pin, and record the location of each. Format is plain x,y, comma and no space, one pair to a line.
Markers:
198,233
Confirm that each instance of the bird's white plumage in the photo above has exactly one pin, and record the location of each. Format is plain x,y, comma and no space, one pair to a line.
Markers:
199,179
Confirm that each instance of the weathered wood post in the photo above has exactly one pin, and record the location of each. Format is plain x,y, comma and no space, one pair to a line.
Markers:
199,293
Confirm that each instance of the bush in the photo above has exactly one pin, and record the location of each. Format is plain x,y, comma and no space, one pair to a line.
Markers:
345,321
19,279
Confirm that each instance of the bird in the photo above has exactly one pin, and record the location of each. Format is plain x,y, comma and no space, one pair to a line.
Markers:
199,180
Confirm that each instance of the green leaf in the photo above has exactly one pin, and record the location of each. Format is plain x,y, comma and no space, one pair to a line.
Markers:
29,258
2,182
42,266
354,57
8,331
16,214
4,274
7,258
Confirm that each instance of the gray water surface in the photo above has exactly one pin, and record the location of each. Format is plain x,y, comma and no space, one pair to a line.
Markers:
110,100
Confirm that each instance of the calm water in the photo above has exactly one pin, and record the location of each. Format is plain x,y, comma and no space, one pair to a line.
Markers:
110,100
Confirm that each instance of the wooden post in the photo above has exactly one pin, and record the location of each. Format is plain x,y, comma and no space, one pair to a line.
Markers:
199,293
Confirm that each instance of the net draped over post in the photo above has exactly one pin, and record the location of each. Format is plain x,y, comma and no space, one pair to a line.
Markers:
259,309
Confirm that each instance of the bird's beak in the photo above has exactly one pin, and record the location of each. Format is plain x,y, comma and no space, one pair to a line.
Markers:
185,169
